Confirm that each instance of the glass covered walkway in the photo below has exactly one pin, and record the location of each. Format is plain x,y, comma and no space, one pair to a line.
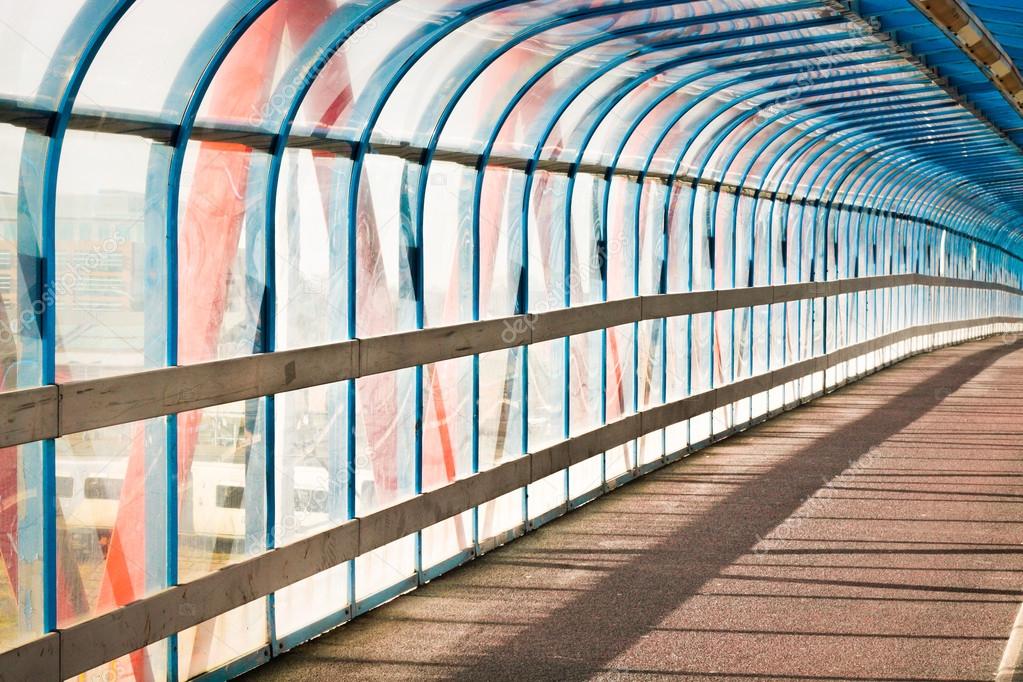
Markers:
873,535
304,303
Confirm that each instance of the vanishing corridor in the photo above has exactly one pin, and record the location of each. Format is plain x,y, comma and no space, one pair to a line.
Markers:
874,534
308,305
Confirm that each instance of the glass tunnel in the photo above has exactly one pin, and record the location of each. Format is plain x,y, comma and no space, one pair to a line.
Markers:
305,302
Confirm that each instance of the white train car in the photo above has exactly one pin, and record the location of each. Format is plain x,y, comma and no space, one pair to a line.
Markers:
89,492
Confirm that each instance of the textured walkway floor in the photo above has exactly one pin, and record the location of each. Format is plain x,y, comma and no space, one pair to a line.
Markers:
874,534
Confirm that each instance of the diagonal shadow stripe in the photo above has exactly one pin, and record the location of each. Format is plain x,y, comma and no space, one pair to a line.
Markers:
581,636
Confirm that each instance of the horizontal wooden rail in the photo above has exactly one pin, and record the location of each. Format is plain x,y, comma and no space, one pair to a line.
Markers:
52,411
85,645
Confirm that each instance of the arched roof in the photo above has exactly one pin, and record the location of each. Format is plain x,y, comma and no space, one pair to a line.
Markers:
721,89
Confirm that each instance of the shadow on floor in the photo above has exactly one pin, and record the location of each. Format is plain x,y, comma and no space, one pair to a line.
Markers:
632,593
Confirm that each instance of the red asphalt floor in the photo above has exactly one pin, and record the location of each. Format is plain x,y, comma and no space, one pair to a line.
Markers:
873,534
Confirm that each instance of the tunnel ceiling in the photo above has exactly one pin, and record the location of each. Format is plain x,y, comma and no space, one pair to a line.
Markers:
305,302
958,40
1005,22
803,98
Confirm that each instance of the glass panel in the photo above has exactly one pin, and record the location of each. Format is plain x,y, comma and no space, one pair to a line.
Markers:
140,69
110,306
20,272
384,470
30,37
447,450
500,434
677,90
219,641
21,519
585,407
221,252
448,244
149,663
112,529
619,391
546,418
221,486
312,602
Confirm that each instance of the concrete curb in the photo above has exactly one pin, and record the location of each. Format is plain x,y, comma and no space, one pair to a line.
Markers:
1011,667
